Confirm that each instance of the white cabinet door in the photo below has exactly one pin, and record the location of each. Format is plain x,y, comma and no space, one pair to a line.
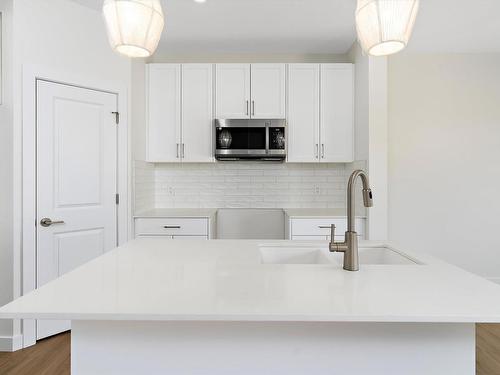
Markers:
268,91
197,117
303,113
337,106
233,91
164,112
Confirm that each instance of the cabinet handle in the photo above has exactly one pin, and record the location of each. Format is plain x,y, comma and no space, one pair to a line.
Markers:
182,151
322,150
253,108
172,227
324,226
316,153
247,107
177,155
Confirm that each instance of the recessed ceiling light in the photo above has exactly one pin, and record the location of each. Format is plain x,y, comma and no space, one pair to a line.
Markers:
200,1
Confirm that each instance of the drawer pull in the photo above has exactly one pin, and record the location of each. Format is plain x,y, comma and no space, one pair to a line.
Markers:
172,226
324,226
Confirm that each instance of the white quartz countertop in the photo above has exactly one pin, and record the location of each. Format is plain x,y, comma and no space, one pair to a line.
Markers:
316,212
178,212
224,280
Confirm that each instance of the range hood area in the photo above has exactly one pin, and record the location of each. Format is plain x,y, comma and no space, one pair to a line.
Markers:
250,139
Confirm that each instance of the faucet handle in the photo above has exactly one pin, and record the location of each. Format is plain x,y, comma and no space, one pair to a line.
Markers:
332,233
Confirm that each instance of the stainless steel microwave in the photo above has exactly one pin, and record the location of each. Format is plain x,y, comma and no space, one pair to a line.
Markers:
250,139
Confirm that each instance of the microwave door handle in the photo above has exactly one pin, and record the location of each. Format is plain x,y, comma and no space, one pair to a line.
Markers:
267,138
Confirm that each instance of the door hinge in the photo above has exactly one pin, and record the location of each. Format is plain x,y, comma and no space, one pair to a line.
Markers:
117,117
117,198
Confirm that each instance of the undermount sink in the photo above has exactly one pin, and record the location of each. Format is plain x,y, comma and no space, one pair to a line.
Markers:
318,255
295,255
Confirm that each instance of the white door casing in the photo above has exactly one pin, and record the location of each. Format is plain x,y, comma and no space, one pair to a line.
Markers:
197,113
76,181
303,112
268,91
232,91
337,113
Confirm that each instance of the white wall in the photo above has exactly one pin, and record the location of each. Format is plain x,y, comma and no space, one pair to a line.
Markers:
371,135
6,174
62,36
444,157
361,96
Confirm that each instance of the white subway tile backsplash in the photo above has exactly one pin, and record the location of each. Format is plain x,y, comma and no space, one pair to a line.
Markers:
245,184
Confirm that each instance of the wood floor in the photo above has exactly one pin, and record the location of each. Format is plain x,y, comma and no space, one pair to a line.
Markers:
52,356
48,357
488,349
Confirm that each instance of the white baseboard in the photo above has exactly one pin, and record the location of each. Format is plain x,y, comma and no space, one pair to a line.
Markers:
494,279
11,343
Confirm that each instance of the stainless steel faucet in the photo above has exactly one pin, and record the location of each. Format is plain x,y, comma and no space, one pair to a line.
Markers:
350,245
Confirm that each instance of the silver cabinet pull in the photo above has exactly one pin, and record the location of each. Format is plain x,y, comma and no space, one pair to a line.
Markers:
46,222
324,226
322,150
316,154
172,226
182,152
177,155
253,107
247,107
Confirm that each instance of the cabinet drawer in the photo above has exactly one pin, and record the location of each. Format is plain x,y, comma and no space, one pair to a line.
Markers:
321,227
171,226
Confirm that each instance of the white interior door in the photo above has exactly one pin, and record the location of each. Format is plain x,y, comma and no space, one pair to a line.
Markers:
197,113
303,113
233,91
337,113
268,91
76,182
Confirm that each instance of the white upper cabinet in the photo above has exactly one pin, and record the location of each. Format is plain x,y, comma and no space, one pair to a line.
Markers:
303,112
337,108
163,112
267,91
197,113
246,91
233,91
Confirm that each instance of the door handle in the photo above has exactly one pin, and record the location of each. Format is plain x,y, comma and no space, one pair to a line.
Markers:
46,222
247,107
322,150
253,107
172,226
182,151
316,154
177,155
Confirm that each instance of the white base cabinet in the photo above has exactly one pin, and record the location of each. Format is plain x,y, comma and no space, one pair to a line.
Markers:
263,347
173,228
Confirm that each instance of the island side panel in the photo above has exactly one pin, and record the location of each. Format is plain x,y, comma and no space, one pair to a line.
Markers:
132,347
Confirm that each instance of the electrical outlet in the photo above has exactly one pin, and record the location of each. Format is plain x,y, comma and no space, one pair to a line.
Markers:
317,190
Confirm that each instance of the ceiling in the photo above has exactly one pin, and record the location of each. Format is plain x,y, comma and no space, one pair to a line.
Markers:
315,26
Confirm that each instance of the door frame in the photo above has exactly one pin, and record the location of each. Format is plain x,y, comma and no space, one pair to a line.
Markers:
32,74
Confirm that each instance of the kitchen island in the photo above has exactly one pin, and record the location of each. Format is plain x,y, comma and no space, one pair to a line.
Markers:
265,307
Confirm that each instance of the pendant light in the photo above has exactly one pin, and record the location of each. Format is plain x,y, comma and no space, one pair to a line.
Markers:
134,26
384,26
